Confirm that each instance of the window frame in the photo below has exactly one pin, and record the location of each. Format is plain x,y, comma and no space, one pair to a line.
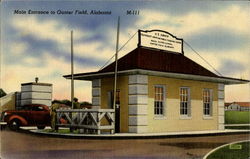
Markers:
210,102
188,113
163,101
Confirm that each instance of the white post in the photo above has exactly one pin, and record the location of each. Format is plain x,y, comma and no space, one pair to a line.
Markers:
116,54
72,71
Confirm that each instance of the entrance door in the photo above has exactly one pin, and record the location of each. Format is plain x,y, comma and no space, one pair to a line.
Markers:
117,108
117,112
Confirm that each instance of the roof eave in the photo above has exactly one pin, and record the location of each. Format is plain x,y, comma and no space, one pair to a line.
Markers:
96,75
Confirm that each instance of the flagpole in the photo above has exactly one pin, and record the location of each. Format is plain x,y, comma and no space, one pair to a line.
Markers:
116,56
72,71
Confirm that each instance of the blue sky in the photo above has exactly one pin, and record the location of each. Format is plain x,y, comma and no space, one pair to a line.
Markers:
39,45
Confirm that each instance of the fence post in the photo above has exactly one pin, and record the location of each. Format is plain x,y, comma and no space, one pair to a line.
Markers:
98,122
112,122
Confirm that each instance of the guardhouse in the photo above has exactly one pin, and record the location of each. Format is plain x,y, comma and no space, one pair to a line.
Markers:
159,89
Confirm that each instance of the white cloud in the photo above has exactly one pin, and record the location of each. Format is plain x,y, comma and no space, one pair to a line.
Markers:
52,68
232,18
91,50
152,17
216,60
53,30
18,48
29,61
52,71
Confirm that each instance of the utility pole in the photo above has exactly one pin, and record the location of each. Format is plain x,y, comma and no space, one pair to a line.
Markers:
116,56
72,71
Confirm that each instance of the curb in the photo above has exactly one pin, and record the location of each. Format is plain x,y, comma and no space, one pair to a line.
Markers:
133,136
210,152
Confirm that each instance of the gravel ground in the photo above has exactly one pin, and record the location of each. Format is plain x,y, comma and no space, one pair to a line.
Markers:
22,145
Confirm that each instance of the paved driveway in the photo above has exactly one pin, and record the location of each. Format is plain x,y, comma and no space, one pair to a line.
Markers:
21,145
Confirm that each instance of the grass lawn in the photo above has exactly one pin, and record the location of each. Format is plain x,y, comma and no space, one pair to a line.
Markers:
234,151
63,131
237,117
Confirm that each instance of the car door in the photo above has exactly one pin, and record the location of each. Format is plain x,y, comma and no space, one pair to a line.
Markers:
39,115
26,114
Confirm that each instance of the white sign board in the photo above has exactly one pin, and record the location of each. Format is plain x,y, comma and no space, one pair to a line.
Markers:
160,40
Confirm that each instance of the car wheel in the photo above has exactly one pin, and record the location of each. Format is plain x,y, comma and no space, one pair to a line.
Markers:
41,127
14,124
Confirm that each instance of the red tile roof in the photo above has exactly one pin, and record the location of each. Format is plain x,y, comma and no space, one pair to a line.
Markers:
156,60
242,104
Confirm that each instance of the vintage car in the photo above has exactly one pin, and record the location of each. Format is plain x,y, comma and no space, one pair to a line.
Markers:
30,115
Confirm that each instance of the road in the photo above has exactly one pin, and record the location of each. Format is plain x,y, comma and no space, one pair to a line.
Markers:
22,145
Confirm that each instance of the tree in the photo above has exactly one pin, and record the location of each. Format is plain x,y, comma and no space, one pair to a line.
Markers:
66,102
2,93
84,103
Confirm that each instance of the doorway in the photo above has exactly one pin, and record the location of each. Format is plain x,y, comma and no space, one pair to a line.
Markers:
117,108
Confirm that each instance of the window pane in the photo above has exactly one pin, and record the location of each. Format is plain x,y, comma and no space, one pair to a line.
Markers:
207,102
184,100
159,99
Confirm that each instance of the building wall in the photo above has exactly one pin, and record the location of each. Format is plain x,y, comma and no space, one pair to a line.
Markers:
234,107
221,108
8,102
138,103
36,94
107,84
172,120
96,93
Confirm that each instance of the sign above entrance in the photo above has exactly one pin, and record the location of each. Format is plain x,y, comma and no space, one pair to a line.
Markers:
159,39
